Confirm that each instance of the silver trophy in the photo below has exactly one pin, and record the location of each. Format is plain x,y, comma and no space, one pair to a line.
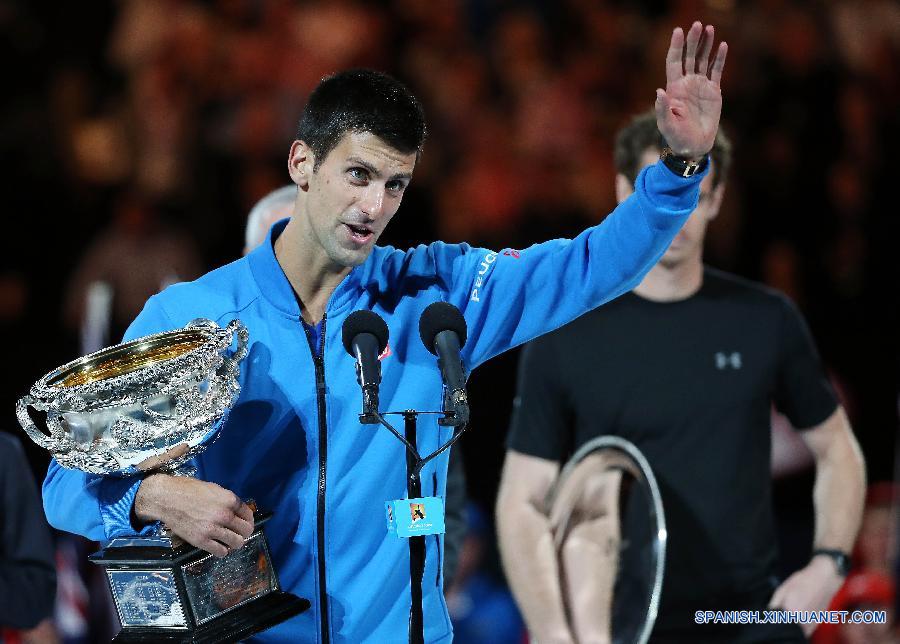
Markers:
151,405
609,530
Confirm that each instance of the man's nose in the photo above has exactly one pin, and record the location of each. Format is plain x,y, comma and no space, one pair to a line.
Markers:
372,203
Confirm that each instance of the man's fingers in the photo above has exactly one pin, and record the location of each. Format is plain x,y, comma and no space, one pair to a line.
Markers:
706,43
690,52
241,525
226,537
236,515
661,105
719,63
776,601
674,70
246,513
214,548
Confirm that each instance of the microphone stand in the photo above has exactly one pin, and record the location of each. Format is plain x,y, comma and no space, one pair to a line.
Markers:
416,544
414,465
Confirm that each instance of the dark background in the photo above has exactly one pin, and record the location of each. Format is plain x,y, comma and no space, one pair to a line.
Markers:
129,129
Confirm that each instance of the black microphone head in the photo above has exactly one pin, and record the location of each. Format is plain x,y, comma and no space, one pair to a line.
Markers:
364,322
441,316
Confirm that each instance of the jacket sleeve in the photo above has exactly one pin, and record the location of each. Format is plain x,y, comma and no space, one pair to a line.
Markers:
27,569
510,297
99,507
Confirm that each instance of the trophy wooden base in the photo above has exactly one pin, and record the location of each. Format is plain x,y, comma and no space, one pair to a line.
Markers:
243,622
184,594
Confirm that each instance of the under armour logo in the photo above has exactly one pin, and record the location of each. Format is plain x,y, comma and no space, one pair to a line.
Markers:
724,360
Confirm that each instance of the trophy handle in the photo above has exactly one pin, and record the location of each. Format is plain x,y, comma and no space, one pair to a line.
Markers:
35,434
230,364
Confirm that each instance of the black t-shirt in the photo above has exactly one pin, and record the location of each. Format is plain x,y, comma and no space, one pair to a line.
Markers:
691,384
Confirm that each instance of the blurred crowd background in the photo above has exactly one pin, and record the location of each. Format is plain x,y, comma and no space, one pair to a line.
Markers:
136,135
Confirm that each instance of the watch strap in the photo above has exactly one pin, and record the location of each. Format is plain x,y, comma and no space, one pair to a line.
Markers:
681,166
841,559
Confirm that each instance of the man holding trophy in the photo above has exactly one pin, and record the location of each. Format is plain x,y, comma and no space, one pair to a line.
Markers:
293,441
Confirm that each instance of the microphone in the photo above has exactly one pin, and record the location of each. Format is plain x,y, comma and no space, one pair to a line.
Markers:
443,331
365,336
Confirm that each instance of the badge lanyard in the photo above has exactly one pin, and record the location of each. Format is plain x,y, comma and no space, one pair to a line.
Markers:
414,465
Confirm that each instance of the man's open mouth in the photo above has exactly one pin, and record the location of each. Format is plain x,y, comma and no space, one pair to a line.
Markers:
359,233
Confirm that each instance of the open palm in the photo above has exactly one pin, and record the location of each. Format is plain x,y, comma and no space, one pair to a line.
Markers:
688,110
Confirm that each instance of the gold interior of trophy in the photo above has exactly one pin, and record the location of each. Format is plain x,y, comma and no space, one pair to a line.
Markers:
127,358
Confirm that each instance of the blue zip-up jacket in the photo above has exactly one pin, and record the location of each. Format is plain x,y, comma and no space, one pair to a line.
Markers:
293,441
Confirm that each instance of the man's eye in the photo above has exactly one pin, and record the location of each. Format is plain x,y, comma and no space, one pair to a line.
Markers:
396,186
358,174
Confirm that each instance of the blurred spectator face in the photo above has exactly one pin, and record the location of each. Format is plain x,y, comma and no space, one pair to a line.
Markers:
797,41
352,196
278,204
520,51
99,148
688,243
194,41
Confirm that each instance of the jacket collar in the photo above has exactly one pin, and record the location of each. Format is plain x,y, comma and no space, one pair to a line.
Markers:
274,286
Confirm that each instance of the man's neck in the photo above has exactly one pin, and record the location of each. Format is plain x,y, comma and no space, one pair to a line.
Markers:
671,283
312,276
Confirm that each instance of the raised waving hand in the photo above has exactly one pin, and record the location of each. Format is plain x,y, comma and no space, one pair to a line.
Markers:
688,110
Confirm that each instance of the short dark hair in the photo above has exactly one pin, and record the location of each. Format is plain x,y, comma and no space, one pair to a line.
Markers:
361,100
641,133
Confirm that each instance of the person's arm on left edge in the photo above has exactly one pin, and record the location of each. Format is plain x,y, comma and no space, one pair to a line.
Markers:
27,567
839,495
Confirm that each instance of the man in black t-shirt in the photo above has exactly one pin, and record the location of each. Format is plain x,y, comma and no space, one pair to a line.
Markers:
686,367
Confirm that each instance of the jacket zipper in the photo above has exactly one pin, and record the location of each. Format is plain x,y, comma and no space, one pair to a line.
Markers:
319,362
437,538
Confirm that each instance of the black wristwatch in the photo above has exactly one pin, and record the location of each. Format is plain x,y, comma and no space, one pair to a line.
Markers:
681,166
841,559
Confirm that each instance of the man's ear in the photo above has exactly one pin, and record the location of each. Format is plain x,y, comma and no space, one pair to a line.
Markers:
300,163
716,196
624,188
